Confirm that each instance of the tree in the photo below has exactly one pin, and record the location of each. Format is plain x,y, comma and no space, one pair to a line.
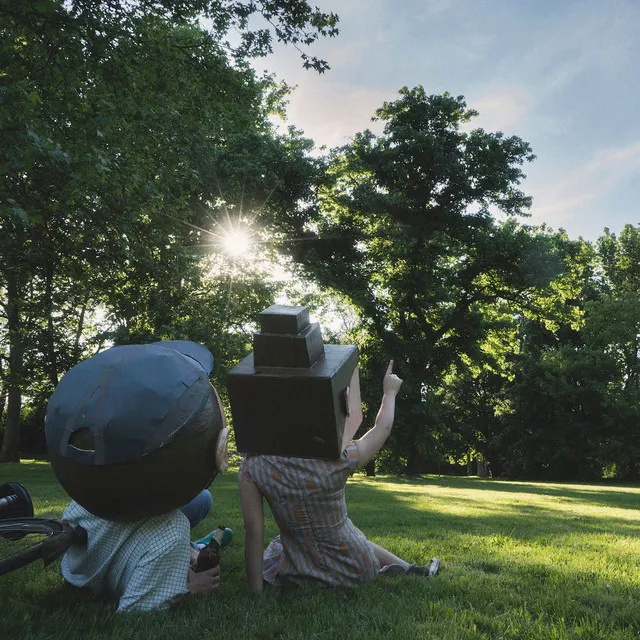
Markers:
405,233
112,118
613,331
620,258
568,407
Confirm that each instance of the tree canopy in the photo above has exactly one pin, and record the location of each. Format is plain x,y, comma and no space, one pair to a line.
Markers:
122,125
136,136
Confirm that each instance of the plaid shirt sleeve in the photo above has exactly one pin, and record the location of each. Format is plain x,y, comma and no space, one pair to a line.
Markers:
351,456
161,573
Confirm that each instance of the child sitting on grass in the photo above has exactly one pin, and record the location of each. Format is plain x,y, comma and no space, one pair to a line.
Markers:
318,543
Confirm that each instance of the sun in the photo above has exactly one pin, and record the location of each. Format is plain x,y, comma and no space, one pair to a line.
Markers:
236,243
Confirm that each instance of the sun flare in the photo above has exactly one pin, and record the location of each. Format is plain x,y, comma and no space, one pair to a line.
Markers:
236,243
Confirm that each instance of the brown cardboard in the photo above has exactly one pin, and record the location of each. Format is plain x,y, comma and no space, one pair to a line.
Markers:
287,350
354,415
283,319
292,411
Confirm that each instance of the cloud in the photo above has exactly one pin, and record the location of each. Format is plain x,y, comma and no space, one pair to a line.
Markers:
568,195
574,42
433,8
502,109
332,112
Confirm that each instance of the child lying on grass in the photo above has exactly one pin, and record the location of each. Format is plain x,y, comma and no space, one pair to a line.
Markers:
135,432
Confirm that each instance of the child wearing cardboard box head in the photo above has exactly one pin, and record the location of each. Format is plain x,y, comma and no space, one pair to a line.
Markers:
135,434
318,543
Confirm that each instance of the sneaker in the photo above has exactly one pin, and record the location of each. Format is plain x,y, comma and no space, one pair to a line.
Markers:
222,534
393,570
428,570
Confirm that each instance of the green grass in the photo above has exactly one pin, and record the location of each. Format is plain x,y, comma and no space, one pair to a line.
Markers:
519,560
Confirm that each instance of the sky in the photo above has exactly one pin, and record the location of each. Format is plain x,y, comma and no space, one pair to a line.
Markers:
563,75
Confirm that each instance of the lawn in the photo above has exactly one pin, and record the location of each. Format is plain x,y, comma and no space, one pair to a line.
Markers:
519,560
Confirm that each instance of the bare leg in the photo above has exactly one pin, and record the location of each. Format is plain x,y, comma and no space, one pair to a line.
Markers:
391,565
386,557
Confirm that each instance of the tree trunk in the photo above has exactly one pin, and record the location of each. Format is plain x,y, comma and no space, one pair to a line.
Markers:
471,466
76,344
3,395
52,361
413,398
11,440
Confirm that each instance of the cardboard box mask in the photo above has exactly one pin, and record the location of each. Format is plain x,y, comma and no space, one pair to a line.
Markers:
294,395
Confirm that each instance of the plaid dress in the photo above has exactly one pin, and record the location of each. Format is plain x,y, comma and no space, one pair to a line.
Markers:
318,543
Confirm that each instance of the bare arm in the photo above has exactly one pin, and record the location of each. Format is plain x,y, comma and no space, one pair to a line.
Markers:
372,441
253,515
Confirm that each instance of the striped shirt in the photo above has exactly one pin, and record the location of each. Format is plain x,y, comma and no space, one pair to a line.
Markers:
318,542
143,563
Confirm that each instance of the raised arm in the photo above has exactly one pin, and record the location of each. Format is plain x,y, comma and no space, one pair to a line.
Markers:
253,516
372,441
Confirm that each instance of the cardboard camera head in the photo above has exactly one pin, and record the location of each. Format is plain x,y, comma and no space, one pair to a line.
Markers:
293,395
137,430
